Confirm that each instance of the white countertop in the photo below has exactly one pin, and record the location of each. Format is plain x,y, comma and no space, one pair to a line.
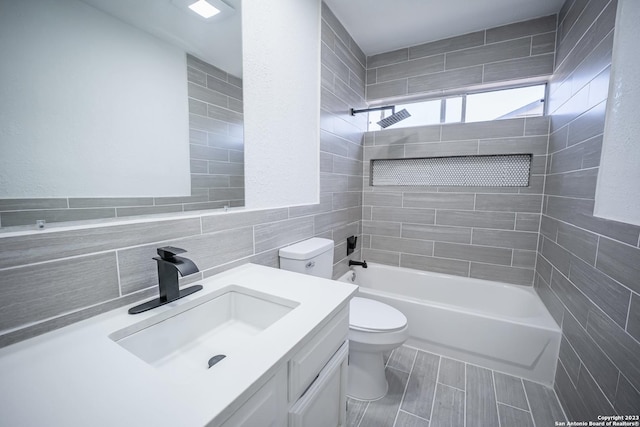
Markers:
78,376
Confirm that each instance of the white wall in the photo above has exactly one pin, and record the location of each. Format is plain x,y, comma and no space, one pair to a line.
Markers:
281,72
89,106
618,189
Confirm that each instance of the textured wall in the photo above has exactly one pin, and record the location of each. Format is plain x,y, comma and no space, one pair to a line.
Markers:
55,277
483,232
281,101
588,269
516,51
618,190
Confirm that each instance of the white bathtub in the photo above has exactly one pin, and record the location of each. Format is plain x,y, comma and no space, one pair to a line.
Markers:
502,327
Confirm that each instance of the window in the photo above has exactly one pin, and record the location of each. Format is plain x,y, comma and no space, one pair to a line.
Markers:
505,104
475,107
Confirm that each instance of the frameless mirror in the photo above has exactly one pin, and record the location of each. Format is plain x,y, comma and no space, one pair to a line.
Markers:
114,108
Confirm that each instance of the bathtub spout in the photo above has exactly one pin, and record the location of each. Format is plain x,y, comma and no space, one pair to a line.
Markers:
363,264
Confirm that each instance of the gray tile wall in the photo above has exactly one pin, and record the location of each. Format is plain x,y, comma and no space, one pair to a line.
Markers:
216,136
483,232
516,51
587,270
216,149
55,277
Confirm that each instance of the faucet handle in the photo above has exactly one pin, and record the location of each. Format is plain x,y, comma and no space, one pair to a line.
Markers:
169,252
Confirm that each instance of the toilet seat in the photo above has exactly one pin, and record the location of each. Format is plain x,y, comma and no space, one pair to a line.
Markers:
369,315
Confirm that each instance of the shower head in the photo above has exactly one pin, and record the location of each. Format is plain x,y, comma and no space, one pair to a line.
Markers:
387,121
394,118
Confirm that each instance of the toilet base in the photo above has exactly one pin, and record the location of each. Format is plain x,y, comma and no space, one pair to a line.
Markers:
366,379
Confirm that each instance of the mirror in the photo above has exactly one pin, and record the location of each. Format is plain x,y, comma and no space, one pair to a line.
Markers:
115,108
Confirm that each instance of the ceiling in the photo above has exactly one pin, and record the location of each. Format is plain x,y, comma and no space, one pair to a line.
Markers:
217,41
383,25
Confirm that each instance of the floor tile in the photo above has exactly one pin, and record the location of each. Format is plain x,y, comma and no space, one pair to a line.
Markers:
545,408
427,390
355,411
448,407
481,407
509,390
382,413
407,420
422,384
510,416
402,359
451,373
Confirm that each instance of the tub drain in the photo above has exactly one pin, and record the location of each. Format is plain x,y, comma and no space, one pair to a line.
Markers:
215,359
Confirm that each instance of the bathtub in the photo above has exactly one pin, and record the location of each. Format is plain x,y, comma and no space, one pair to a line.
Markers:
498,326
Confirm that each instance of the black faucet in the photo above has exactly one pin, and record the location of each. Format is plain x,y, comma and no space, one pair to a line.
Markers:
363,264
169,265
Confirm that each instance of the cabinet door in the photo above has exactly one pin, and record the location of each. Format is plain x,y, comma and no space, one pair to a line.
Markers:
266,408
324,403
316,353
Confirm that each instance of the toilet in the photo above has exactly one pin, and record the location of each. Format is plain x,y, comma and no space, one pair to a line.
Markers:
374,327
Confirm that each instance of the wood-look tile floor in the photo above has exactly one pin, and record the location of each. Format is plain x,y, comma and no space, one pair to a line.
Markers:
428,390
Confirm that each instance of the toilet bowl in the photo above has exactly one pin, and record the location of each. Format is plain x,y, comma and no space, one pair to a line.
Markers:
374,327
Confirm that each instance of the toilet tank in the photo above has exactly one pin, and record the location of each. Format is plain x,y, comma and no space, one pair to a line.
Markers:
313,256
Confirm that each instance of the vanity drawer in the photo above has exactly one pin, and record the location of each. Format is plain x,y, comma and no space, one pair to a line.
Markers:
305,365
324,403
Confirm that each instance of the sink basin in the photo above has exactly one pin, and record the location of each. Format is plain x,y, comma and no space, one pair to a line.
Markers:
181,342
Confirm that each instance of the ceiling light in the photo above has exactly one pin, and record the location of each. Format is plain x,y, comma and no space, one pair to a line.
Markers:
204,9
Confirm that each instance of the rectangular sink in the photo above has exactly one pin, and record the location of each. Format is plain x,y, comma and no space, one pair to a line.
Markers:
181,343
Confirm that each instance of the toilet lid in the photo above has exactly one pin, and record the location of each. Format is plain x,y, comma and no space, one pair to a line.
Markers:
370,315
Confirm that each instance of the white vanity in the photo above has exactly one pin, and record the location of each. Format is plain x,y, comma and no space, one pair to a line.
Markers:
282,335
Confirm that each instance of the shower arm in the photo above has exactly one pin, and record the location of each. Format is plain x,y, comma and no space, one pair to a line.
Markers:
366,110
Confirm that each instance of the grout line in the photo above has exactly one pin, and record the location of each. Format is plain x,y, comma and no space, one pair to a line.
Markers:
495,395
120,279
465,393
526,396
514,407
406,386
531,46
363,414
559,404
574,384
413,415
626,323
435,389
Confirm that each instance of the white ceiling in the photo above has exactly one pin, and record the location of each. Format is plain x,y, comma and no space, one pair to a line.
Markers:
384,25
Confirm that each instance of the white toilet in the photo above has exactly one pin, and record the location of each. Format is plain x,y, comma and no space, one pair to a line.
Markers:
374,327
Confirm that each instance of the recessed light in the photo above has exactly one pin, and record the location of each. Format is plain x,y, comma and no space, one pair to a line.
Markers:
204,9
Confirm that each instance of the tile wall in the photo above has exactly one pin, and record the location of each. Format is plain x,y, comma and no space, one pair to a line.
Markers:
216,161
482,232
588,269
511,52
58,276
216,142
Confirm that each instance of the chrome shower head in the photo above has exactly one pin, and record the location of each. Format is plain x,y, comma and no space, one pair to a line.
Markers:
394,118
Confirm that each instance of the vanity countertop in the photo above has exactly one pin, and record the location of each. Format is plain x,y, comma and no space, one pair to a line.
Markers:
79,376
